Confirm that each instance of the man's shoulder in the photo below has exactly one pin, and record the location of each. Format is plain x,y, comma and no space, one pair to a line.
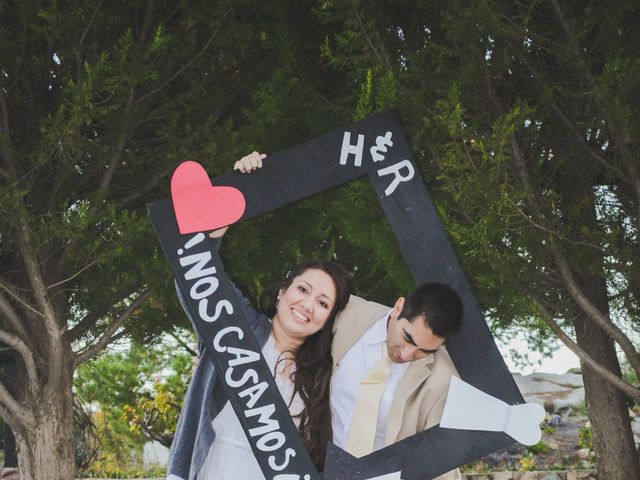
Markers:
359,308
363,305
442,364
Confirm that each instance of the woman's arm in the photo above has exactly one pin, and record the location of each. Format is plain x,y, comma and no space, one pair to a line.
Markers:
256,320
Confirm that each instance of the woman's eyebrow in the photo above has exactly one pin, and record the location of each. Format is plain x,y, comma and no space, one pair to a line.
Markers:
311,288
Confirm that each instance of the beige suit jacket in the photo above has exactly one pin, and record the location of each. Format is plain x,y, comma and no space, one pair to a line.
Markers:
421,394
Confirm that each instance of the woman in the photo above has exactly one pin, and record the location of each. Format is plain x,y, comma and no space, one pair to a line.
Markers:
296,343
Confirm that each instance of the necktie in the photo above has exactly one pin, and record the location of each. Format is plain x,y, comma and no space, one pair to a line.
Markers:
362,433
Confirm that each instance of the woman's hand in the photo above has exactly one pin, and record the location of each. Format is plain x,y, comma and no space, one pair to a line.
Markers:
246,164
249,163
218,233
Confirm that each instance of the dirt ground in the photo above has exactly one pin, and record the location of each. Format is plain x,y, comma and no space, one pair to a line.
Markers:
565,444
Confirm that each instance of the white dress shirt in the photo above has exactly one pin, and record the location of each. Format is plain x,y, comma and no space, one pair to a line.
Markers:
351,370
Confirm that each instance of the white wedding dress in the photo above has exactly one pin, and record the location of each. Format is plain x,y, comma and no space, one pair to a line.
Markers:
230,457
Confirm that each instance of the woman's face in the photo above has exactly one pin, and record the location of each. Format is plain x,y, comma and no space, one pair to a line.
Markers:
305,305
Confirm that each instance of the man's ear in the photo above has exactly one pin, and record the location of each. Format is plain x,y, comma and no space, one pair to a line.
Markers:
397,308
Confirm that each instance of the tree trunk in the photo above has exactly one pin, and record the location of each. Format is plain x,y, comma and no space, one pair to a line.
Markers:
613,442
47,452
9,439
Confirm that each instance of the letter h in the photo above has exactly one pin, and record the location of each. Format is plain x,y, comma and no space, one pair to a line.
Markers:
348,149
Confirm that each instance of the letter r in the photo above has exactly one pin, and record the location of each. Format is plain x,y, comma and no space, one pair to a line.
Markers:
395,169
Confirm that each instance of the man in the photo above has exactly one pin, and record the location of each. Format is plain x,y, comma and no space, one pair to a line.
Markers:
390,364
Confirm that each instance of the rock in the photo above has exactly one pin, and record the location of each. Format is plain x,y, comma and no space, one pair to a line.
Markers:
502,476
635,426
551,390
9,474
529,476
566,380
155,454
583,453
557,421
552,444
549,476
581,475
588,475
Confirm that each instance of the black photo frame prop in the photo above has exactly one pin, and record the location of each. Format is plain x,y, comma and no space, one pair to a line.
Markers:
376,147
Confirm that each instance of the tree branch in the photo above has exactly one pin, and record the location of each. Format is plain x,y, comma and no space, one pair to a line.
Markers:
183,344
581,139
107,337
5,285
54,332
185,66
582,354
68,279
616,129
4,174
115,156
35,275
13,411
10,171
554,233
594,313
538,76
146,24
4,114
90,319
155,179
574,290
565,271
384,60
27,356
13,320
81,42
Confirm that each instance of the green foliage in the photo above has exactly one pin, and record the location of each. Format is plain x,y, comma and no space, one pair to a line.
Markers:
586,438
527,463
110,467
523,120
111,116
503,137
539,448
630,375
524,127
137,396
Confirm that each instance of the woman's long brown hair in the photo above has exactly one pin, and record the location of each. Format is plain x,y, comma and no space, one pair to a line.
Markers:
312,376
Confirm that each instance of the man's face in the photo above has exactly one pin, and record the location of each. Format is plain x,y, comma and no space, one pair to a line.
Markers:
408,341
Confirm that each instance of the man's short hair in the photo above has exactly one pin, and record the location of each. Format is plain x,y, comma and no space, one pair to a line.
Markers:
438,304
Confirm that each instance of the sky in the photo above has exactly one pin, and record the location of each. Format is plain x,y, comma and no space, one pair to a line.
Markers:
562,360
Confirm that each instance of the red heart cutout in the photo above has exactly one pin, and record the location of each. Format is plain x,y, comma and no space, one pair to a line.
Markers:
199,206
